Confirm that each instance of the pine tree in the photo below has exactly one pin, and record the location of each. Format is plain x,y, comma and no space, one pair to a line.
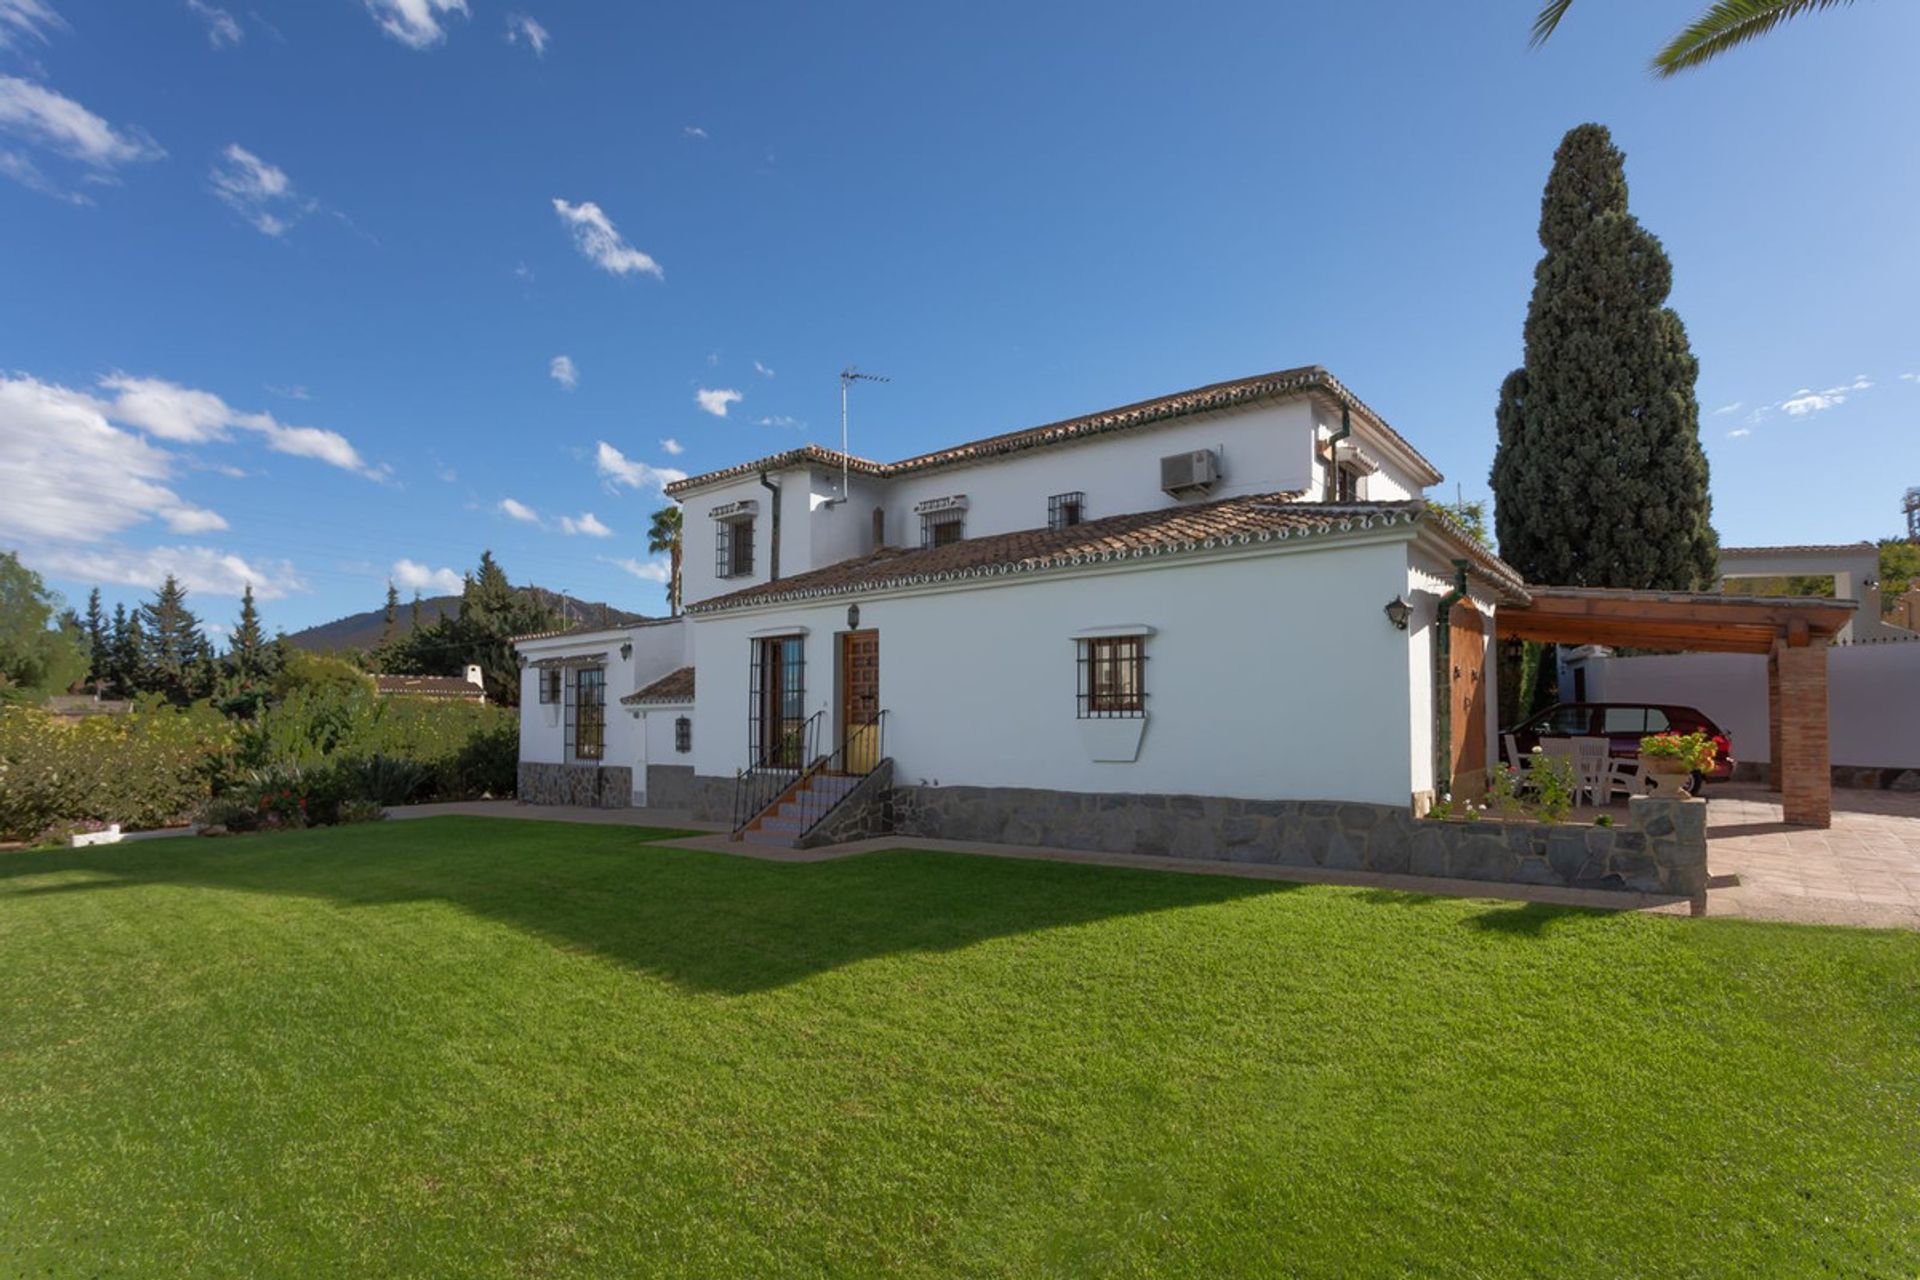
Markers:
247,671
125,667
96,626
1599,479
174,653
392,614
413,612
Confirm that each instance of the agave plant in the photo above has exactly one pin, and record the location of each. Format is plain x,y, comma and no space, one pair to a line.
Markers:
1726,24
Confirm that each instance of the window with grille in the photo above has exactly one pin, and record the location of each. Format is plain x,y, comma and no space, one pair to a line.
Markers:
1346,484
734,557
1065,510
1113,677
938,528
549,684
587,718
683,735
777,707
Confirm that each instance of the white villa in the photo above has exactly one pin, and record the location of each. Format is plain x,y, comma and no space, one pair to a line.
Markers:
1207,604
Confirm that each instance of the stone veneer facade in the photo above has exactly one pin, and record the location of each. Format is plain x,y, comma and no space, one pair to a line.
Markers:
1662,849
594,786
677,786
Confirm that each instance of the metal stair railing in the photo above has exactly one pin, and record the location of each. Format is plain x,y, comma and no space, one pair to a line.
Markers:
857,756
778,767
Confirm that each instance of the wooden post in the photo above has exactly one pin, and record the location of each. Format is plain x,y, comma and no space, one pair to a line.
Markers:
1806,773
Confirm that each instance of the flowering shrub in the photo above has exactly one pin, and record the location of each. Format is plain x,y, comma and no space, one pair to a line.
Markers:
1695,751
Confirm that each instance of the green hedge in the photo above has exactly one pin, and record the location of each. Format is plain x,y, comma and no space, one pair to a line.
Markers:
149,768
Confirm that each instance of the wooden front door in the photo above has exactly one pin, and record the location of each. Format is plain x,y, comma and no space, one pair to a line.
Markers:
860,699
1467,659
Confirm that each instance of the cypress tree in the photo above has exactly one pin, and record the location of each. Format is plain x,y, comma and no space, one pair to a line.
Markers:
1599,478
96,640
392,614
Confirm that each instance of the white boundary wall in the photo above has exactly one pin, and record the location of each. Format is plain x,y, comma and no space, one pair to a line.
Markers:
1873,697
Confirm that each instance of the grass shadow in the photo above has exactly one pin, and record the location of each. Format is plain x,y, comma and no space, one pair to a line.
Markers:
705,921
1528,919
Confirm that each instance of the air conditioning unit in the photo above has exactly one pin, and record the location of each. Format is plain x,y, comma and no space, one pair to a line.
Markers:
1185,473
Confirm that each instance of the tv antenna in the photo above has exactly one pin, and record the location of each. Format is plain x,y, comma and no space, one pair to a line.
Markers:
849,376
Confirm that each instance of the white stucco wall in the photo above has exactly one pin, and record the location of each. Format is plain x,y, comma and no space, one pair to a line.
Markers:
1873,697
1429,579
658,648
1274,675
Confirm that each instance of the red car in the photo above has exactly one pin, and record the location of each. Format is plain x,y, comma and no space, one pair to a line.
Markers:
1623,724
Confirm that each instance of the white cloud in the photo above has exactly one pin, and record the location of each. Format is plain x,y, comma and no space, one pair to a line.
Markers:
206,570
182,414
1910,377
257,191
222,30
519,511
695,131
588,525
594,236
1727,408
1739,432
716,402
70,475
780,420
1806,401
289,393
673,447
762,370
58,125
415,23
521,27
26,19
411,575
646,570
622,470
561,369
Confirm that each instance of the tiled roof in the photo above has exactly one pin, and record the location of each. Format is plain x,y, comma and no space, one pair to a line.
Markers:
428,686
1834,549
627,622
1221,525
1219,395
675,686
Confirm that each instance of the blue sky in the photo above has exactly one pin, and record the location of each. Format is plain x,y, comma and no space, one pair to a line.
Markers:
285,282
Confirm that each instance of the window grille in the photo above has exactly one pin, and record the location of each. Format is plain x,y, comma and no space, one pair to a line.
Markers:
733,548
589,727
683,735
549,684
1064,510
1113,678
1346,485
777,705
938,528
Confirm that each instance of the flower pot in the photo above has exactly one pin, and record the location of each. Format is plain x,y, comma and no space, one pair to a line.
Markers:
1666,775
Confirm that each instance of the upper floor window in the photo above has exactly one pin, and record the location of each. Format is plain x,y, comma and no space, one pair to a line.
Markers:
1065,510
1346,483
1113,677
942,520
733,539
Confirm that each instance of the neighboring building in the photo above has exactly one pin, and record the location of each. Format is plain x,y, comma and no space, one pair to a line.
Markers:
1854,568
1906,610
1226,596
470,688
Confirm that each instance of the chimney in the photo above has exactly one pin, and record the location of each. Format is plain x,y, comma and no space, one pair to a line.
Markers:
879,527
473,675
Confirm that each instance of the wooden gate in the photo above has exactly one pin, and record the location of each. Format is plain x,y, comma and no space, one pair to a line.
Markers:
1467,660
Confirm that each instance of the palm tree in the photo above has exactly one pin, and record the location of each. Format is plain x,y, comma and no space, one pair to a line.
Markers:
1726,24
664,535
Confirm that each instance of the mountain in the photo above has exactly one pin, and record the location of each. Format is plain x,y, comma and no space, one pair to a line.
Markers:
365,630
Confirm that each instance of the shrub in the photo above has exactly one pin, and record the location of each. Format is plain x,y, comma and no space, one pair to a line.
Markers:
361,811
154,766
382,780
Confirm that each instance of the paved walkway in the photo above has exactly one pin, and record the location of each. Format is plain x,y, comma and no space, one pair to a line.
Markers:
1864,870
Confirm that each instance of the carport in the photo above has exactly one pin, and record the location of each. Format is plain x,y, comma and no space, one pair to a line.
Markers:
1793,632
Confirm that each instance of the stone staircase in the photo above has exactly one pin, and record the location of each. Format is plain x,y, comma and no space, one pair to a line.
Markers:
803,805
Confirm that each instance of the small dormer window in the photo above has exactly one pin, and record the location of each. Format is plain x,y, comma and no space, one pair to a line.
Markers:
1346,483
1064,510
733,539
942,520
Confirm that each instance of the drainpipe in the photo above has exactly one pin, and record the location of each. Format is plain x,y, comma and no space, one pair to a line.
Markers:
1443,681
1331,488
773,551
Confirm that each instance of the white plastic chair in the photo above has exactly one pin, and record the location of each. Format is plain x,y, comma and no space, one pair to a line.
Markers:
1512,747
1592,770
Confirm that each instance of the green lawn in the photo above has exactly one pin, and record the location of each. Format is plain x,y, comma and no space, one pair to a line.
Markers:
468,1047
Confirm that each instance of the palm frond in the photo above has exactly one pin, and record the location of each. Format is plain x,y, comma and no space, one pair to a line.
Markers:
1727,24
1546,20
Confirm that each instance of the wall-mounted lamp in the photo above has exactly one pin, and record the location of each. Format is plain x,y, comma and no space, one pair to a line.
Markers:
626,650
853,617
1398,611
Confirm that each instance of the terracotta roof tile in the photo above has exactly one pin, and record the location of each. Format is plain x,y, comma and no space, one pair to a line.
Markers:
428,686
1219,395
675,686
1217,525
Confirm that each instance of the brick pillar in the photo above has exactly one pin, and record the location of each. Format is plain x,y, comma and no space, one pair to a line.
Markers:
1806,773
1773,722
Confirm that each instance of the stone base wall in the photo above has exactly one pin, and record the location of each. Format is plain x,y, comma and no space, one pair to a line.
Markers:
1662,849
1854,777
594,786
866,812
677,786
